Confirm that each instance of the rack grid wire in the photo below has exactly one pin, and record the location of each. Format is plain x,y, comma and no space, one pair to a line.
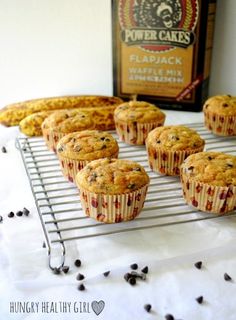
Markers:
58,204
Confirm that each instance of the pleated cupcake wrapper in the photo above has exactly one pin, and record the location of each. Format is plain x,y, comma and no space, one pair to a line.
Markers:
135,133
51,138
168,162
113,208
71,167
220,125
208,198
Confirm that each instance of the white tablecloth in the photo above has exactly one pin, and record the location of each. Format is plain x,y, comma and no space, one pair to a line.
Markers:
29,290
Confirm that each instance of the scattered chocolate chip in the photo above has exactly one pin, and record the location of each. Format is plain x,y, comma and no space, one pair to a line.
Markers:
103,147
56,270
134,266
169,317
198,264
77,263
44,245
132,281
147,307
65,269
137,169
209,158
25,211
4,150
158,141
191,168
145,270
19,213
227,277
60,149
206,106
106,274
11,214
81,287
80,277
127,276
92,177
199,299
138,275
229,165
225,105
1,218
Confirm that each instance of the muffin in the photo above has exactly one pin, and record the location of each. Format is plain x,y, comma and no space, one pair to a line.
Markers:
220,115
135,119
112,190
209,181
77,149
168,146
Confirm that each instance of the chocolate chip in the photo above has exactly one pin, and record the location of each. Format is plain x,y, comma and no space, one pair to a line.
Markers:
1,219
147,307
132,281
229,95
92,177
19,213
169,317
225,105
229,165
4,150
199,299
80,276
81,287
206,106
137,169
56,270
77,263
191,168
158,141
135,274
26,211
65,269
198,264
60,149
11,214
134,266
227,277
106,274
103,147
127,276
131,186
209,158
44,245
77,148
145,270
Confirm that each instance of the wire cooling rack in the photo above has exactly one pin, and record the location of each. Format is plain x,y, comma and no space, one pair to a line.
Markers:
59,207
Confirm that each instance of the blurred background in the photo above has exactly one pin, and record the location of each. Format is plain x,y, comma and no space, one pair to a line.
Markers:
63,47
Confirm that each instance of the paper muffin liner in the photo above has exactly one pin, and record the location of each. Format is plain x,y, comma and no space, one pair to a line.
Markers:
168,162
51,138
221,125
112,208
135,133
71,167
207,198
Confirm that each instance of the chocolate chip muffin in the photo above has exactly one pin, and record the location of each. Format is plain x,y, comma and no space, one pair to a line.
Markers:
220,115
168,146
112,190
209,181
135,119
77,149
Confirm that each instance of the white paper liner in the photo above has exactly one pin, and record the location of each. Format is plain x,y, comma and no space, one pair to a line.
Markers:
168,162
220,125
208,198
113,208
135,133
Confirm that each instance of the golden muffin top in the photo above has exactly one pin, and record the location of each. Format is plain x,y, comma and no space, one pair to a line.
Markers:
221,104
138,111
174,138
88,145
213,168
112,176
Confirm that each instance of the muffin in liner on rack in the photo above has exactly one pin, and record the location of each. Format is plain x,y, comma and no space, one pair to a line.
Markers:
168,146
220,115
112,190
209,181
135,119
77,149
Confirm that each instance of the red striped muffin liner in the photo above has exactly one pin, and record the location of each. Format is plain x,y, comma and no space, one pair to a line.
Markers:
135,133
208,198
112,208
168,162
51,138
220,125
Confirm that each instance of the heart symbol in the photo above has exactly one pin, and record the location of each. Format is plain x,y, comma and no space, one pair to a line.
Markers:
98,306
